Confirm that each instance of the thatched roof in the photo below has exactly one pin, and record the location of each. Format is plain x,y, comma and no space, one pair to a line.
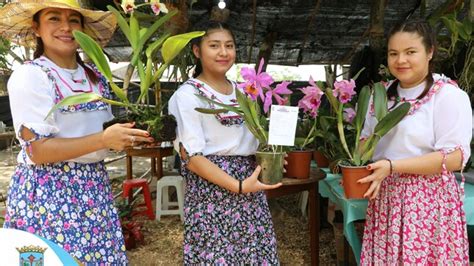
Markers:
301,31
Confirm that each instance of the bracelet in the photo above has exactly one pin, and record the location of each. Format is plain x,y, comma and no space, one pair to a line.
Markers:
240,186
391,165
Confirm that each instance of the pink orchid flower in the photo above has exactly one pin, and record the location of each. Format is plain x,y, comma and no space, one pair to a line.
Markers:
344,90
158,7
349,114
255,81
280,89
312,98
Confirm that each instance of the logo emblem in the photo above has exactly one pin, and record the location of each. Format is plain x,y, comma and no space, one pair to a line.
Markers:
31,255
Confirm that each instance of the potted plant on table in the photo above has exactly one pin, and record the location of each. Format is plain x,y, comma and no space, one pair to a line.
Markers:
353,166
145,58
299,158
254,98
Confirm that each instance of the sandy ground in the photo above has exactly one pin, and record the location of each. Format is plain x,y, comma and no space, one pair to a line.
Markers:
163,240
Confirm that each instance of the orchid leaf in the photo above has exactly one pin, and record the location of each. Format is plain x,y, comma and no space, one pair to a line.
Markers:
358,73
210,111
94,52
134,32
122,23
150,50
391,119
174,44
362,107
82,98
118,92
380,101
227,107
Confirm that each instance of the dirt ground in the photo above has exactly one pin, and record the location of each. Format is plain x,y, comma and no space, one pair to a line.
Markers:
163,240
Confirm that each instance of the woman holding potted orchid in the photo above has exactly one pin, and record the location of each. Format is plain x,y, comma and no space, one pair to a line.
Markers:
415,215
227,219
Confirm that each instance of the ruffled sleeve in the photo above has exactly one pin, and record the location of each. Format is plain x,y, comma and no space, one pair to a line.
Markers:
32,96
453,121
190,133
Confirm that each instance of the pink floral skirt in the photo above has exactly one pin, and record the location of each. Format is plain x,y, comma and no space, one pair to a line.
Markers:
418,220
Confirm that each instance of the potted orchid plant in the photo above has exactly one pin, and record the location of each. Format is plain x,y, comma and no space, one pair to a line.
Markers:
299,158
146,43
361,152
255,96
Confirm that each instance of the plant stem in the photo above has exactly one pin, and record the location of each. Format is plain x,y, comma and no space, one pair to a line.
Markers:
309,135
340,129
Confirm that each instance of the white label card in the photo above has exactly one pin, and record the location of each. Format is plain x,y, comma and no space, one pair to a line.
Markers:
282,128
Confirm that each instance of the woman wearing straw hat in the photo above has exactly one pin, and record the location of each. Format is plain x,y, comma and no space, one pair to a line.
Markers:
60,189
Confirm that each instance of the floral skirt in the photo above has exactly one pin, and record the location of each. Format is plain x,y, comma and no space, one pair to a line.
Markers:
70,204
416,220
222,227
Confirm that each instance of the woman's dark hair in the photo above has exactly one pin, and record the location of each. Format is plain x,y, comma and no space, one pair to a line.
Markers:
40,50
428,38
207,26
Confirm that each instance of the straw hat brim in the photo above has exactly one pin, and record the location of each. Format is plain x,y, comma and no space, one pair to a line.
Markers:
16,20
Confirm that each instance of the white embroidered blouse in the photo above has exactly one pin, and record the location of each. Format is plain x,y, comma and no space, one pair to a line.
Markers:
204,133
34,88
442,121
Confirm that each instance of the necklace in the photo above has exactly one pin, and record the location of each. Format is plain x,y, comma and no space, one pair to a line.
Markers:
73,74
72,78
214,87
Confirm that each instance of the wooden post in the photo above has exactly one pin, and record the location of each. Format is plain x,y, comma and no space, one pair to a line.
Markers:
376,35
266,49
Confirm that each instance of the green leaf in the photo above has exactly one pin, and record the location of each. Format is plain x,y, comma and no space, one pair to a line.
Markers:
174,44
358,73
227,107
362,107
467,25
380,101
210,111
391,119
150,50
75,99
134,32
119,92
154,27
122,23
94,52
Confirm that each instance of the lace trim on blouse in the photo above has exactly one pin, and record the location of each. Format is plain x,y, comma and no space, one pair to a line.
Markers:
89,106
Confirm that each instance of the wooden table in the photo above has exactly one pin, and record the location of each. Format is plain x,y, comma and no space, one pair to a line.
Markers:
153,153
9,137
290,186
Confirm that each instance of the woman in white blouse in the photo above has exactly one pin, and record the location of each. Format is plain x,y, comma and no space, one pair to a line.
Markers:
60,189
415,215
227,220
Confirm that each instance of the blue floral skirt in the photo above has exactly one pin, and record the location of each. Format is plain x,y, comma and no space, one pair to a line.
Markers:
70,204
222,227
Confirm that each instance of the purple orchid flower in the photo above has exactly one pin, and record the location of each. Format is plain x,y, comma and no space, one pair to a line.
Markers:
349,114
255,81
344,90
312,98
280,89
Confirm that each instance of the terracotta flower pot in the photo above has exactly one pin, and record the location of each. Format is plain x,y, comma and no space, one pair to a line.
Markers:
350,176
299,164
321,160
272,166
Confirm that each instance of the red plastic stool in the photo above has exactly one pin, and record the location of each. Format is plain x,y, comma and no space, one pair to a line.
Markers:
129,185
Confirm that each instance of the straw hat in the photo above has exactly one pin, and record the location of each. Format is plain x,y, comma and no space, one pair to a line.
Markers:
16,20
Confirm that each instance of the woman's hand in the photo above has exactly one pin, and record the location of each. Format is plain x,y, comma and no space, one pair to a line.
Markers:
120,136
252,184
381,170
